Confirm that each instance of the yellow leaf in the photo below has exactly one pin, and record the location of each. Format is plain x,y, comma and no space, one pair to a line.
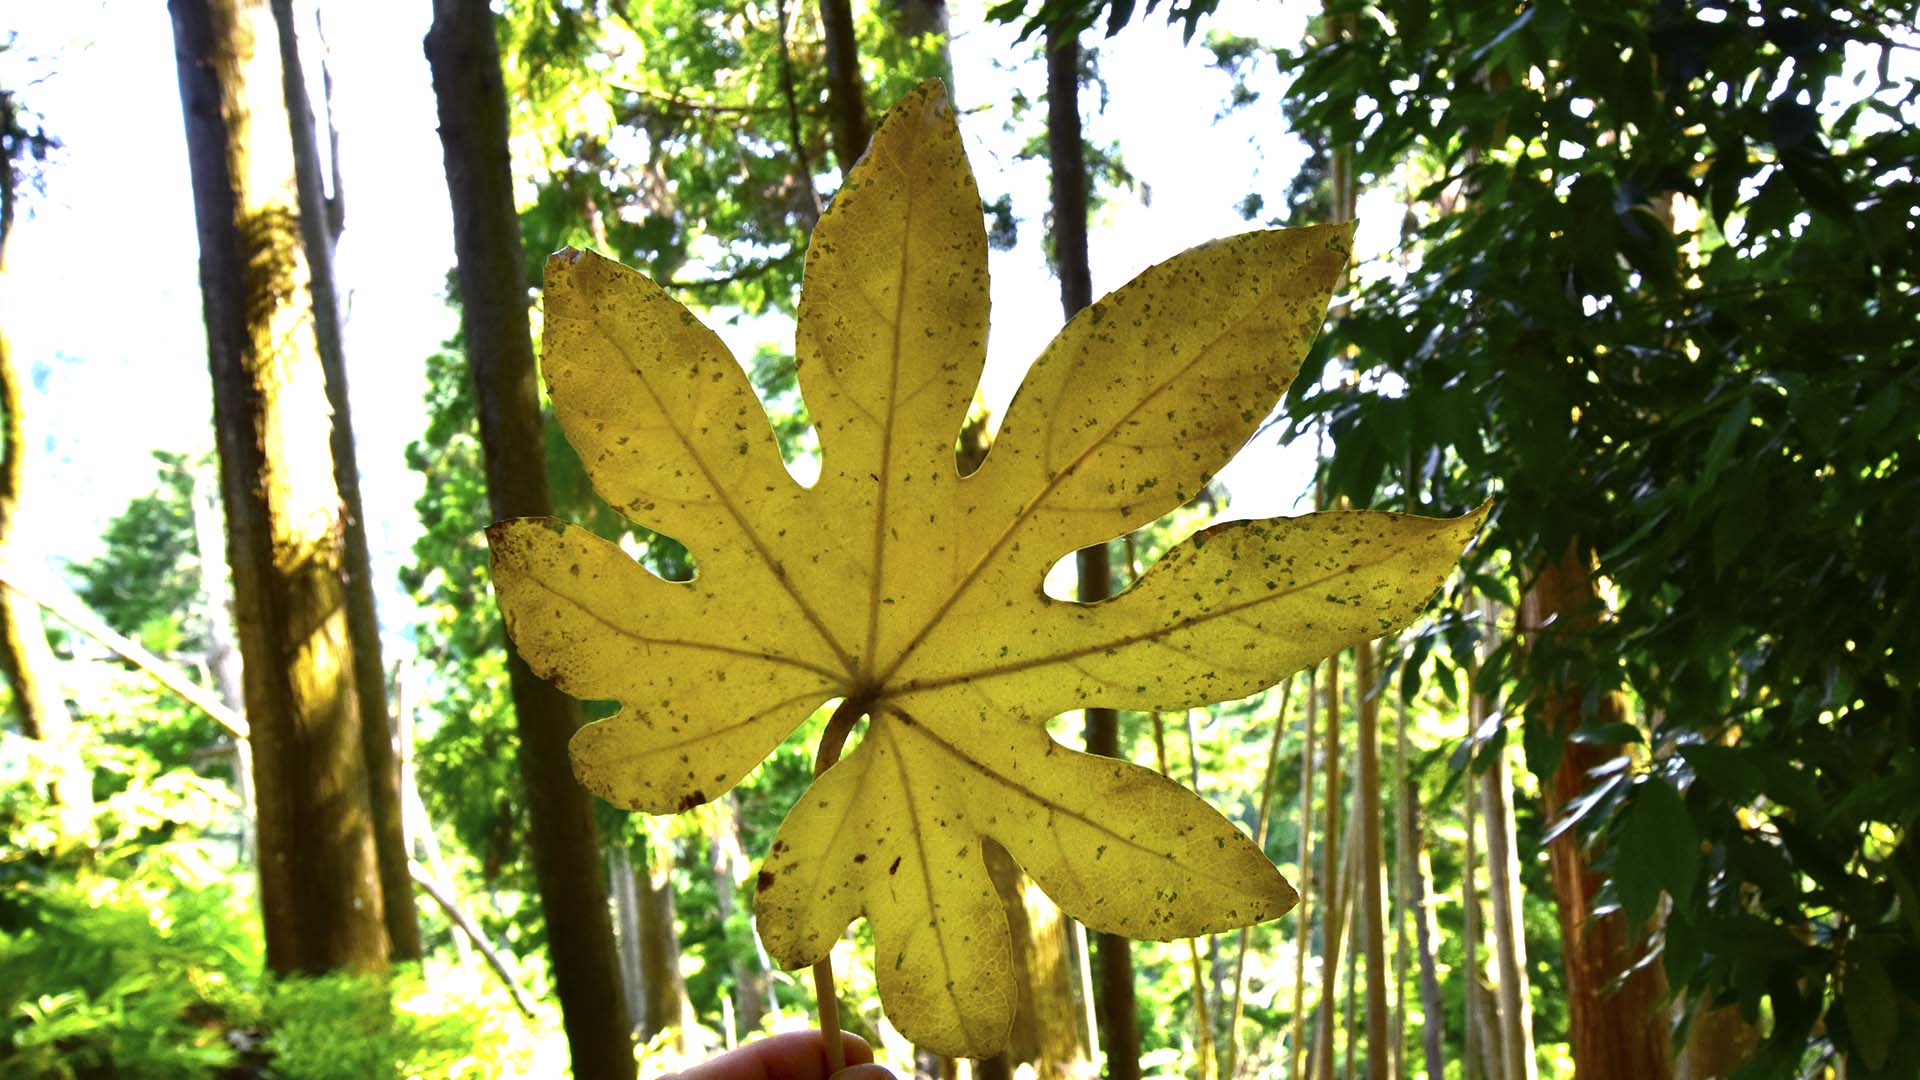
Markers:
915,593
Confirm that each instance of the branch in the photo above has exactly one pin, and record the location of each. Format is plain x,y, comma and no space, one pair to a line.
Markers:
674,102
746,273
459,918
74,612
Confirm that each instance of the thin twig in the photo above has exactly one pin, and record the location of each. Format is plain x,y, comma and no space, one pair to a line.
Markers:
74,612
426,881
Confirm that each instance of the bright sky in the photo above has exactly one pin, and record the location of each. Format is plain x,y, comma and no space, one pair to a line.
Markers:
118,360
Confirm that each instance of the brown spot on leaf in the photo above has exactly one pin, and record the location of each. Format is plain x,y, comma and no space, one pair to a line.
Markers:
765,881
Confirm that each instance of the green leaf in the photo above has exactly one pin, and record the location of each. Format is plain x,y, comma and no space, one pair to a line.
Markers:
1658,849
1867,996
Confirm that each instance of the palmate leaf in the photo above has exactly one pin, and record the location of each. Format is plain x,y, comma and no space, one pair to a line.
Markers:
916,594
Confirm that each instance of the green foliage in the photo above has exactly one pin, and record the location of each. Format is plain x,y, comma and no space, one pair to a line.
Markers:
1719,404
146,583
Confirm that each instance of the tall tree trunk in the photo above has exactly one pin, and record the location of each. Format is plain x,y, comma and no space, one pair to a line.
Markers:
729,867
1509,941
1296,1045
1470,911
624,886
663,992
320,890
573,897
846,93
802,160
1046,1030
25,658
1372,863
363,625
1616,1033
1332,925
1427,937
1066,158
1263,818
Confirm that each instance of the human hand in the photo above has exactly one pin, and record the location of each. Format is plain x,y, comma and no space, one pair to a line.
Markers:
796,1055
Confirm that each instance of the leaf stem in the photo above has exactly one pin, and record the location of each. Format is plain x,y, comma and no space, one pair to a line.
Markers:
839,726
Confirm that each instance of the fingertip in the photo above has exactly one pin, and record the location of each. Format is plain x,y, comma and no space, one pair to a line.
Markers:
856,1052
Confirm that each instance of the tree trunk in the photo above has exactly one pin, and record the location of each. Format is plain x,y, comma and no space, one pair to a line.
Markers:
320,890
1046,1029
1426,937
1509,941
363,625
1470,1050
624,885
25,658
846,93
663,992
1066,157
473,131
1372,863
1331,919
1615,1033
1296,1045
730,865
1719,1041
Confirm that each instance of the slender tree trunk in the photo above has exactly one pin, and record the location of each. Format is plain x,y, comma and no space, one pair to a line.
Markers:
1426,938
1718,1042
1230,1061
25,658
1372,863
1066,156
623,884
1403,866
363,624
1470,909
1616,1033
1510,946
729,860
802,160
1296,1044
662,990
1045,1028
1332,924
473,130
320,891
846,92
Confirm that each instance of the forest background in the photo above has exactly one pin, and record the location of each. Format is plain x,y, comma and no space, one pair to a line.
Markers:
1645,801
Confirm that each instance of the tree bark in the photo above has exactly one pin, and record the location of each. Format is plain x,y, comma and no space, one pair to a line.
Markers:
1426,937
25,657
1509,941
320,892
1372,864
1046,1031
1619,1033
363,624
1332,924
473,130
1066,156
663,992
846,93
730,865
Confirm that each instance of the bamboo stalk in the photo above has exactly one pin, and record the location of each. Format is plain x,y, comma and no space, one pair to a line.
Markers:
1230,1063
1202,1023
1296,1048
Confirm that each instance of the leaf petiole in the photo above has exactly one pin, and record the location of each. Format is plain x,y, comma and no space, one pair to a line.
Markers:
839,726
